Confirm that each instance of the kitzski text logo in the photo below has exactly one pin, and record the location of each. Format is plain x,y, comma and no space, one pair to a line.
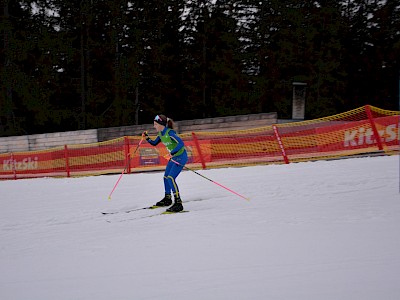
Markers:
364,136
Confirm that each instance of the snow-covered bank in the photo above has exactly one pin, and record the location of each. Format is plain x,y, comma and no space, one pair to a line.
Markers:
316,230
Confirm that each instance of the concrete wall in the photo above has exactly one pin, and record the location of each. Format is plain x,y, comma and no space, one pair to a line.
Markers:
207,124
51,140
46,140
14,144
106,134
228,123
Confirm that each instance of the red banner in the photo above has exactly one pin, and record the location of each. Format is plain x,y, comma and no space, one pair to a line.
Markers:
358,134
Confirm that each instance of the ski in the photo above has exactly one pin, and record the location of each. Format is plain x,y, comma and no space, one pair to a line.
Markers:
173,212
130,210
143,208
149,216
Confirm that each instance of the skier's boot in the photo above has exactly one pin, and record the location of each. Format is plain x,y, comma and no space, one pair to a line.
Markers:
166,201
177,207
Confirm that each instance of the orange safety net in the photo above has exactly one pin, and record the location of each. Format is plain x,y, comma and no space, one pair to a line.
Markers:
357,132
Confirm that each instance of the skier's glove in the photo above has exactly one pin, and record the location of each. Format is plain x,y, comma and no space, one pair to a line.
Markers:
145,135
168,156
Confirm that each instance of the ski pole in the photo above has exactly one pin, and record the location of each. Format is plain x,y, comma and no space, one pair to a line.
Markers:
126,167
228,189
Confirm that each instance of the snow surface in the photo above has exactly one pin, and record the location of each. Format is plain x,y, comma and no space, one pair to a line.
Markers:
317,230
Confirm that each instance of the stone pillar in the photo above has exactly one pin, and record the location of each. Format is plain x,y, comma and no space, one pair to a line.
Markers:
299,100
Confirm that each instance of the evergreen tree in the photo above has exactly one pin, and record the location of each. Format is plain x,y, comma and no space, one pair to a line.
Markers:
372,57
76,64
216,82
163,58
32,68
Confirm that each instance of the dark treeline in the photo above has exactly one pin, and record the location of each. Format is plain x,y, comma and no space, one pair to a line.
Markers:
69,64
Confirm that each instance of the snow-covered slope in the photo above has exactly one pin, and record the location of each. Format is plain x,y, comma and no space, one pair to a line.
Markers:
319,230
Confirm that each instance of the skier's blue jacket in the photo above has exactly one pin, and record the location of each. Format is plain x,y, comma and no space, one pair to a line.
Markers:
171,140
176,148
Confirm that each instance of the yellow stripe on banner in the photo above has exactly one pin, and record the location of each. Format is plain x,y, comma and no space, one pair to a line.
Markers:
51,164
245,148
97,158
297,142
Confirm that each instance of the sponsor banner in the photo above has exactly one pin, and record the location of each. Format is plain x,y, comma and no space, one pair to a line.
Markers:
32,162
358,135
148,155
331,138
388,129
27,163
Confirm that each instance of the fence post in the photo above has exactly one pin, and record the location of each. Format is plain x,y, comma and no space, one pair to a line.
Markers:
278,138
376,133
196,142
127,155
66,157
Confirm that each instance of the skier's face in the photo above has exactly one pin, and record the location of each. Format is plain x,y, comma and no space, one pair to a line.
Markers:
158,127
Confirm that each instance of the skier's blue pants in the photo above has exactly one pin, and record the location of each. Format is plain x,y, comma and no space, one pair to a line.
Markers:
172,171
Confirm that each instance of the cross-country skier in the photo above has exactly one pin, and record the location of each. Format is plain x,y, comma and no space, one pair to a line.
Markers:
177,153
